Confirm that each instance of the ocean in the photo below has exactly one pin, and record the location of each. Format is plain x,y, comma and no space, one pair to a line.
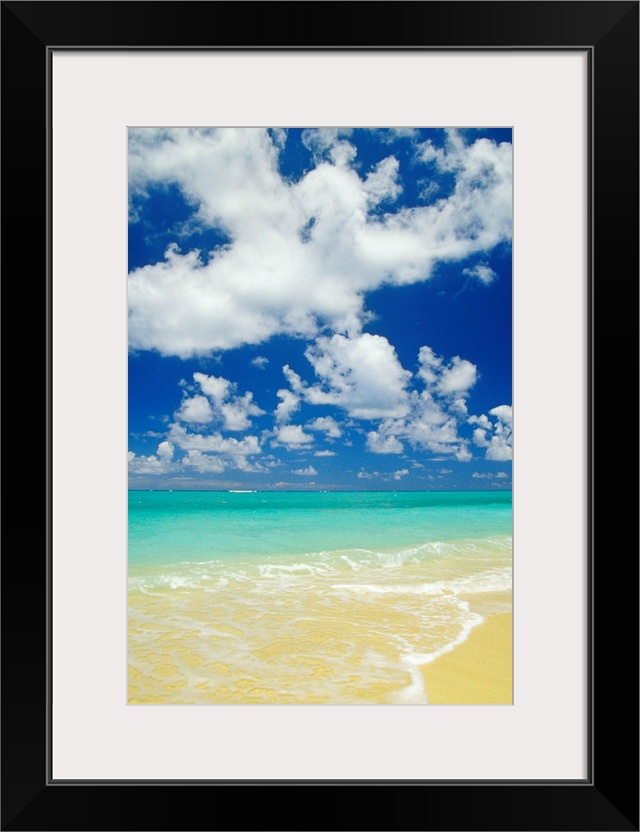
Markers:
307,597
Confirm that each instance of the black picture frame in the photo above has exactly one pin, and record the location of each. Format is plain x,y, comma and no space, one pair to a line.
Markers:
608,798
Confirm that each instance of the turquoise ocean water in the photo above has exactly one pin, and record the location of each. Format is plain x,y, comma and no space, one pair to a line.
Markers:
241,571
188,526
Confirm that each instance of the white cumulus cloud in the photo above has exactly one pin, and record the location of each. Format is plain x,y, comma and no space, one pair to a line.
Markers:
160,463
292,437
380,444
327,425
482,271
367,475
299,256
431,418
361,374
233,410
195,409
495,436
309,471
213,442
289,403
204,463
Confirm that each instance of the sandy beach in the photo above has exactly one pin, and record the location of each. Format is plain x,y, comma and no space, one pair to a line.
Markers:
190,667
478,671
298,620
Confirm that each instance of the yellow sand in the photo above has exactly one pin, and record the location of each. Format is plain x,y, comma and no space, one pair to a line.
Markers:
478,671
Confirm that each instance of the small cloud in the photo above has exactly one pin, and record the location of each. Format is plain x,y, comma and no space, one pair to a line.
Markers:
310,471
229,407
196,409
327,425
483,421
367,475
260,361
325,453
292,436
288,405
445,471
429,189
484,273
161,463
499,446
399,474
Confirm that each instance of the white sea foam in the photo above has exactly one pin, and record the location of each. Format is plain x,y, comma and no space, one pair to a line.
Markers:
414,693
178,581
352,563
426,658
270,570
493,581
145,591
391,559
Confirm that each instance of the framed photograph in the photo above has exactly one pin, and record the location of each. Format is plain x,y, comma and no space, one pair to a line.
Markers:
310,522
347,258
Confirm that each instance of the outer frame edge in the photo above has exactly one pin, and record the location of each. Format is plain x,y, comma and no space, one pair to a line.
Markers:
44,791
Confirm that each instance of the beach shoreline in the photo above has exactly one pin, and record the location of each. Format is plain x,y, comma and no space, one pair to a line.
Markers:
476,672
310,599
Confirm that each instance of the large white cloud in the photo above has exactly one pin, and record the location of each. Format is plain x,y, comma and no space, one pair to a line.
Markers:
301,255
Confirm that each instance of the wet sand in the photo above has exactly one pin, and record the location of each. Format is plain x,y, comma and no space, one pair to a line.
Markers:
187,646
478,671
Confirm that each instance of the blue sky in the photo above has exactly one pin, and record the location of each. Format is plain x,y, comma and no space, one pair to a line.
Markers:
320,309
